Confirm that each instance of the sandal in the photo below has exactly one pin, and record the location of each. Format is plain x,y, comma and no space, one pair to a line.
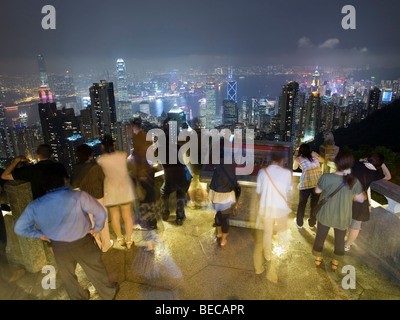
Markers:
129,244
121,241
318,261
222,244
335,265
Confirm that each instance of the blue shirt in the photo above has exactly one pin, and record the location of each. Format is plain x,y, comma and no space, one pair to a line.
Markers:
61,215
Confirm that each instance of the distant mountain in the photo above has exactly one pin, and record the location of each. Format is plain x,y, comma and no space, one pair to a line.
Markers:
382,128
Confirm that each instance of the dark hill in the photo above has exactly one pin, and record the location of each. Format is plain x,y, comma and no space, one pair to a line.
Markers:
382,128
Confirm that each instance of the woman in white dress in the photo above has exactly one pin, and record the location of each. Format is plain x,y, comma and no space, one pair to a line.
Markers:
119,192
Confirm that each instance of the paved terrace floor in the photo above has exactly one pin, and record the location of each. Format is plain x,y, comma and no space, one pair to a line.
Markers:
190,265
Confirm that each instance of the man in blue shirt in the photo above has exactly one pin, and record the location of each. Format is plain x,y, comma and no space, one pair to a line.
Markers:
61,218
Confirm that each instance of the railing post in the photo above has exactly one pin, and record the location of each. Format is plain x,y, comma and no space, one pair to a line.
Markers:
29,252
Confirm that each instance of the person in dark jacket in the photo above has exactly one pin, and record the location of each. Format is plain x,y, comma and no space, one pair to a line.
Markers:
366,171
222,195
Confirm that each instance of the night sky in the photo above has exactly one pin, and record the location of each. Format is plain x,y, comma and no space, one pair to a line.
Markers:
152,34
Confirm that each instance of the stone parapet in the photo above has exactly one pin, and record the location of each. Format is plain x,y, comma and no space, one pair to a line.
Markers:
30,253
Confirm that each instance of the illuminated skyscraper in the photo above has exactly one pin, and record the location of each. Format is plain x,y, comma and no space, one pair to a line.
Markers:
312,117
373,100
315,81
211,105
44,81
231,87
121,81
288,111
230,112
103,101
124,106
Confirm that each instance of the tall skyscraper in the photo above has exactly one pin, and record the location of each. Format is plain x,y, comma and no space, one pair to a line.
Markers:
288,111
312,117
61,131
123,104
103,101
373,100
315,80
211,105
122,81
44,81
231,87
230,112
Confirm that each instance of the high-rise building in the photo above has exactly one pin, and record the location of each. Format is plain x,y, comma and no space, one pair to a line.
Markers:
231,87
312,117
144,107
122,81
315,81
103,101
288,111
211,105
44,81
373,100
230,112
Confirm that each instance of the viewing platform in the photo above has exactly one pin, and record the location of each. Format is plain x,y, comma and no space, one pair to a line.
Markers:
190,265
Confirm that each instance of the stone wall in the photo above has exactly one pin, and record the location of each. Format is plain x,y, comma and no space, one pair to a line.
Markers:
32,254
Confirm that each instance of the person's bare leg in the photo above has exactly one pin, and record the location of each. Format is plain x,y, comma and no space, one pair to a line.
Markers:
223,239
115,222
219,232
128,221
353,234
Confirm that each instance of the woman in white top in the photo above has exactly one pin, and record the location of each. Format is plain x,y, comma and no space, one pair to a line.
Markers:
273,185
119,192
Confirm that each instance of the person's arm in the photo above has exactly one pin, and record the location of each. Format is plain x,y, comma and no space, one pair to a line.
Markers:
320,186
386,172
295,162
7,174
361,197
25,226
90,205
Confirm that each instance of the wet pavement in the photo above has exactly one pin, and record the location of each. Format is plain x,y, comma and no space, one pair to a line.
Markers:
189,264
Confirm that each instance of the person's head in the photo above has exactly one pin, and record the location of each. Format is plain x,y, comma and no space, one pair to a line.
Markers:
83,153
107,143
305,151
44,152
55,176
277,158
136,124
344,162
376,159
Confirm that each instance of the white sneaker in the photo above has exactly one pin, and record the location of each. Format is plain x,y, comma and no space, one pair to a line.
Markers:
298,227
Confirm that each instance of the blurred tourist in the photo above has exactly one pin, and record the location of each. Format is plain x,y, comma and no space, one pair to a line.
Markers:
339,189
366,171
273,185
88,176
311,171
119,192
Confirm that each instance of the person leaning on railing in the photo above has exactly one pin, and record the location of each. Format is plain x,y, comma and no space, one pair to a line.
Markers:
366,171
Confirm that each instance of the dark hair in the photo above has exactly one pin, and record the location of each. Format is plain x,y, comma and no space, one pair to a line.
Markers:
83,152
305,151
54,176
345,160
136,122
376,159
108,143
45,151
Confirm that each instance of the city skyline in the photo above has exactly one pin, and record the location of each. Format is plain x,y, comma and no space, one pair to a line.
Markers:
176,34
